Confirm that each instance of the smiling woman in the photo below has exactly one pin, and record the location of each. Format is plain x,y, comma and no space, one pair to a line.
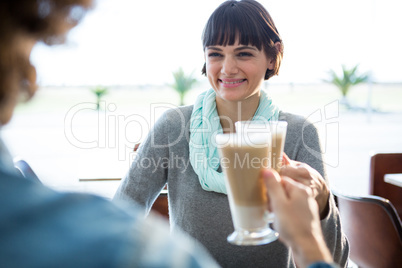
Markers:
242,48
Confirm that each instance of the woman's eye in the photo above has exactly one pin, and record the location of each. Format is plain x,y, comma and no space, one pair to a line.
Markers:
245,54
214,54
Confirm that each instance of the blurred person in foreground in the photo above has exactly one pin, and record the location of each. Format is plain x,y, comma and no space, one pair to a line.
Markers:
43,228
242,49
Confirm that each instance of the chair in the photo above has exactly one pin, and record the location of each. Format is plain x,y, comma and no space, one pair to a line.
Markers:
373,229
25,170
381,164
161,204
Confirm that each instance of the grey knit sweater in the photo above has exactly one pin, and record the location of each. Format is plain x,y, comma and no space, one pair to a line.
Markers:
164,158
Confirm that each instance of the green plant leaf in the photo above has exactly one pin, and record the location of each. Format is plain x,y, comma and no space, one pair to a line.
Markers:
183,83
347,79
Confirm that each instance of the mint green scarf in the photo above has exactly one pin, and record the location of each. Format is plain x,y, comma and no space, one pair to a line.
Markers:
204,126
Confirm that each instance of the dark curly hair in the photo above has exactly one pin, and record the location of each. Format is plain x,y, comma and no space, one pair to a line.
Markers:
28,21
248,21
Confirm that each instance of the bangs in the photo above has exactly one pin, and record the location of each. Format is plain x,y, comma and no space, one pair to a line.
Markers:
231,22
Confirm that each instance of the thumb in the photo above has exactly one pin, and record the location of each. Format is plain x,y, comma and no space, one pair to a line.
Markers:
275,191
286,160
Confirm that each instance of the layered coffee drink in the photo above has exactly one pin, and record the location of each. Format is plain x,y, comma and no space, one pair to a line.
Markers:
242,162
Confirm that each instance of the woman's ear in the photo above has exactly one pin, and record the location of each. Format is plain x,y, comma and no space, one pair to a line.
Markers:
278,46
272,61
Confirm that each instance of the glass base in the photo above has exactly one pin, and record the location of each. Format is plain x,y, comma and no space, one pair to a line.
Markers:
252,238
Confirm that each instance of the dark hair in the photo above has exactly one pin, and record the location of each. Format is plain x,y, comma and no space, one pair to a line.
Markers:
22,21
248,21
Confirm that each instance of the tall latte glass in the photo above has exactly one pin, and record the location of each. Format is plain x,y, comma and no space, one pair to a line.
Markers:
241,162
276,131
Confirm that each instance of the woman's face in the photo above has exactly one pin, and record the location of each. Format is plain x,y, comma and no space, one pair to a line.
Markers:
236,72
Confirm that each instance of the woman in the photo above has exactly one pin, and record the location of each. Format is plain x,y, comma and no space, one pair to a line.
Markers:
242,49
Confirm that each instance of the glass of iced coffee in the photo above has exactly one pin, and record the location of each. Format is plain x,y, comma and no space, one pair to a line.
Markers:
276,132
241,161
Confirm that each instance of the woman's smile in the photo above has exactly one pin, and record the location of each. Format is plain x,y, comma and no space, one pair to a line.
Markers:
230,83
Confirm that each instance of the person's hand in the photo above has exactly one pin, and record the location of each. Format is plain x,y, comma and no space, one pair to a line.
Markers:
310,177
296,218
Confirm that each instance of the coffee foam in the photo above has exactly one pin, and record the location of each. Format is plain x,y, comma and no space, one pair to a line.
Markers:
243,139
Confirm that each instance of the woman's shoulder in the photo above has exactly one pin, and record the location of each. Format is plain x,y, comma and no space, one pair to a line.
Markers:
174,122
292,118
179,114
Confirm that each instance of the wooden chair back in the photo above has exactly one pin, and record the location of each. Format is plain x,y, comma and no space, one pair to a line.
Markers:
161,204
381,164
373,229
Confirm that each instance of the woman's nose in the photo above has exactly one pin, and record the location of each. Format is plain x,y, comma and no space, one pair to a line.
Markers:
229,66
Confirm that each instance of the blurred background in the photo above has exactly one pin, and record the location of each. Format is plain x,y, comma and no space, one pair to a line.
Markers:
101,92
